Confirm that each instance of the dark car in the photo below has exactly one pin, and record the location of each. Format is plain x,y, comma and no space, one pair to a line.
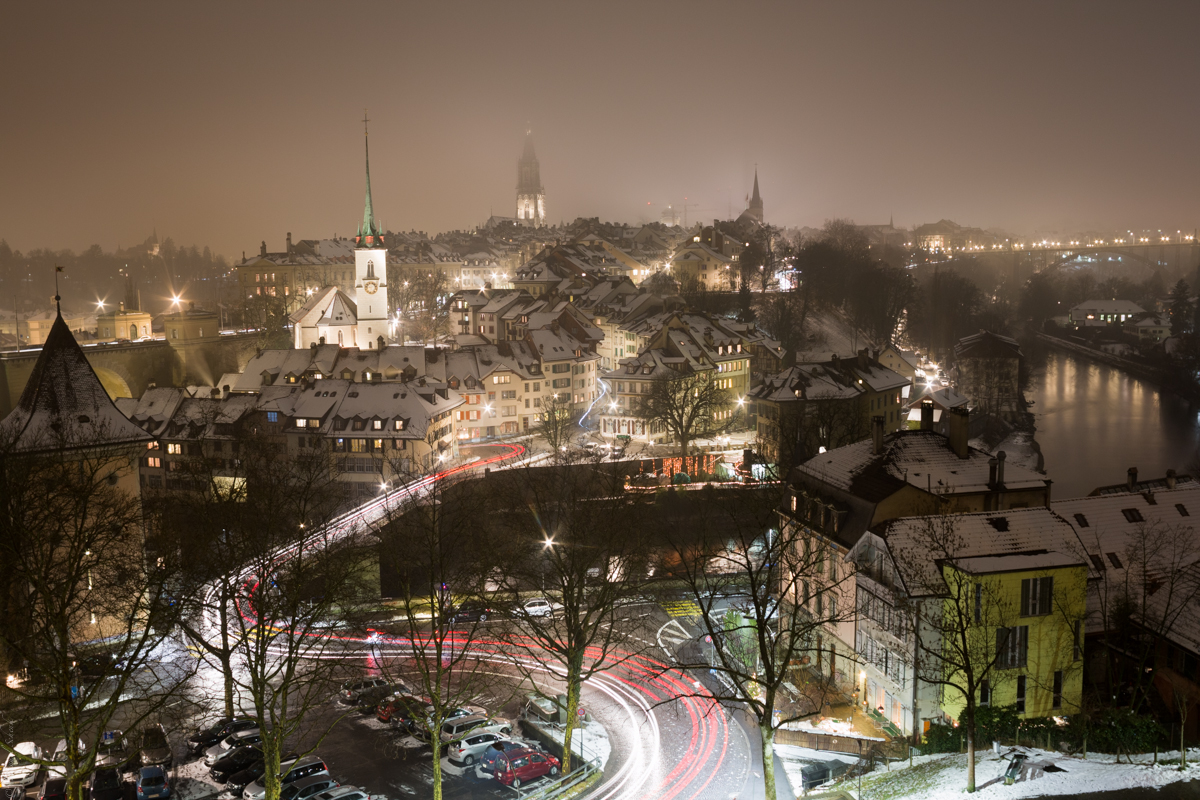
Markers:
522,766
369,699
105,784
205,738
243,778
470,612
403,711
235,761
154,750
52,789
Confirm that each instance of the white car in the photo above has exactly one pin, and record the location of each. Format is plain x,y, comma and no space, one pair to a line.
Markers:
61,756
20,768
537,607
224,747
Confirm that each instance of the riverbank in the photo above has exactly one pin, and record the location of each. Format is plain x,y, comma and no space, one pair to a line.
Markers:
1165,379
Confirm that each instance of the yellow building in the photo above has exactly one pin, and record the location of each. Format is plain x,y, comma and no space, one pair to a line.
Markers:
191,325
1000,597
122,324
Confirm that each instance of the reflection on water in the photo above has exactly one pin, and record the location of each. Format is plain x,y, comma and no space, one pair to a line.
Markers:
1095,422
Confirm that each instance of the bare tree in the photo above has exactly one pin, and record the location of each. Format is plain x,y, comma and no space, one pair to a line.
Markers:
688,407
71,548
571,534
769,597
965,627
555,423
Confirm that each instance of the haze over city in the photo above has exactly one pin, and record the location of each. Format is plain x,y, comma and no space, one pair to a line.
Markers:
223,124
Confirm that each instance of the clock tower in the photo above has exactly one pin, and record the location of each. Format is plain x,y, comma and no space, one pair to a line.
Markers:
370,273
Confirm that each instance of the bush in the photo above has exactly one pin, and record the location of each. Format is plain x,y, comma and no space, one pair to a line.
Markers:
943,738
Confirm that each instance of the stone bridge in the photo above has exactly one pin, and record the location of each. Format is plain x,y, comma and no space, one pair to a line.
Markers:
127,369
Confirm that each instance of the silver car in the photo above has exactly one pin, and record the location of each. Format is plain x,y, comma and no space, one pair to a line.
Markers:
461,726
307,788
226,746
308,767
472,748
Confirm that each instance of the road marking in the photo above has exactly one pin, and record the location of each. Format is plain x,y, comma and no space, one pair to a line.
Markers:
682,608
674,635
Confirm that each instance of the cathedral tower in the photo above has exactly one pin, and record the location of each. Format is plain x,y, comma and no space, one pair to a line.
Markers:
531,197
370,272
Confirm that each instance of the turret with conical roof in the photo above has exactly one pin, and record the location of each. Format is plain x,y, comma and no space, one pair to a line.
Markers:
369,233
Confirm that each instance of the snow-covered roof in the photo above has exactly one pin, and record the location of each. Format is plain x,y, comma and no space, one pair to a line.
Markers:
64,405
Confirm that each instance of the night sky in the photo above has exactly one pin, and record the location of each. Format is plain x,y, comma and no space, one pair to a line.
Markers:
224,123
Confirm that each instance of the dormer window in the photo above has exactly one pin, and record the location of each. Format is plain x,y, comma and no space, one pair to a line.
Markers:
377,424
301,422
399,424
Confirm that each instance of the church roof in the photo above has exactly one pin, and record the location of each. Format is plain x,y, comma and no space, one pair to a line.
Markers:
369,233
342,311
64,405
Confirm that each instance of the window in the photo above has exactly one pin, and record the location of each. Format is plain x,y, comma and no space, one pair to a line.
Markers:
272,416
501,378
1082,520
1096,562
174,333
1116,562
1182,509
1058,681
1020,694
985,692
154,461
508,394
399,424
301,422
175,449
978,602
376,424
1012,647
1132,514
537,386
358,445
1036,596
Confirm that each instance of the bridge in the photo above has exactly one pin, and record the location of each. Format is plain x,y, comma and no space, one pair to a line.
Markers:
1169,257
128,369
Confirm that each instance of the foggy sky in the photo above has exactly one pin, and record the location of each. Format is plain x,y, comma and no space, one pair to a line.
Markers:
226,123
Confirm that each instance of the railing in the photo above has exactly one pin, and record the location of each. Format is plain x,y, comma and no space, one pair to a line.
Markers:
562,785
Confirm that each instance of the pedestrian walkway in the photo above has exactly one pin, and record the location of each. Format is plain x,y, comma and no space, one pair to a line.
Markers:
683,609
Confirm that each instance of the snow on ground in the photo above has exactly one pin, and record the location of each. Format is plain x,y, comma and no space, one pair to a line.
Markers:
192,782
944,776
589,741
795,758
1018,448
829,334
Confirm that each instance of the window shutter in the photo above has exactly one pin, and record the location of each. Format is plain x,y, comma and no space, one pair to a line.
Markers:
1022,645
1045,595
1002,646
1026,585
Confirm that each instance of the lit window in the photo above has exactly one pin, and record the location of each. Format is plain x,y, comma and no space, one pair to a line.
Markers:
175,449
272,416
377,424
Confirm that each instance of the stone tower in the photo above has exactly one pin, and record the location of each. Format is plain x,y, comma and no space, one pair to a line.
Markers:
370,272
531,197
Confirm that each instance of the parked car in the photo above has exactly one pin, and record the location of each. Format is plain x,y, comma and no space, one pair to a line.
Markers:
421,731
473,747
155,749
224,747
235,761
522,766
344,793
105,784
205,738
306,767
537,607
61,756
461,726
244,777
498,751
307,788
353,688
403,711
52,789
113,751
815,773
369,699
470,612
21,768
152,784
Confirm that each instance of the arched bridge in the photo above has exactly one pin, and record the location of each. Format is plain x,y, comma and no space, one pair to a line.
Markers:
127,369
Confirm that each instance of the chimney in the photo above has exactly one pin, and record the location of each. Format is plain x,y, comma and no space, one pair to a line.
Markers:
877,433
1170,479
1132,479
862,358
960,424
289,243
225,392
262,249
926,415
992,462
122,306
1000,457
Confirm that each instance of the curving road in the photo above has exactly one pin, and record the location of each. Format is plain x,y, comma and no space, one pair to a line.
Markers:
666,743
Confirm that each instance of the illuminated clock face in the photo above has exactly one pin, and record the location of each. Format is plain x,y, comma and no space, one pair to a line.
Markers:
371,287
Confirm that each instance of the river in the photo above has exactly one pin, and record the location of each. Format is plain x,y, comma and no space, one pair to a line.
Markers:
1094,422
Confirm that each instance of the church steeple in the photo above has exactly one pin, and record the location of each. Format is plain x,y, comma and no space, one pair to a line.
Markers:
369,233
531,197
756,203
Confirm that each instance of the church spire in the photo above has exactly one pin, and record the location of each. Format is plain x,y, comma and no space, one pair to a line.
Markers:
369,233
755,198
